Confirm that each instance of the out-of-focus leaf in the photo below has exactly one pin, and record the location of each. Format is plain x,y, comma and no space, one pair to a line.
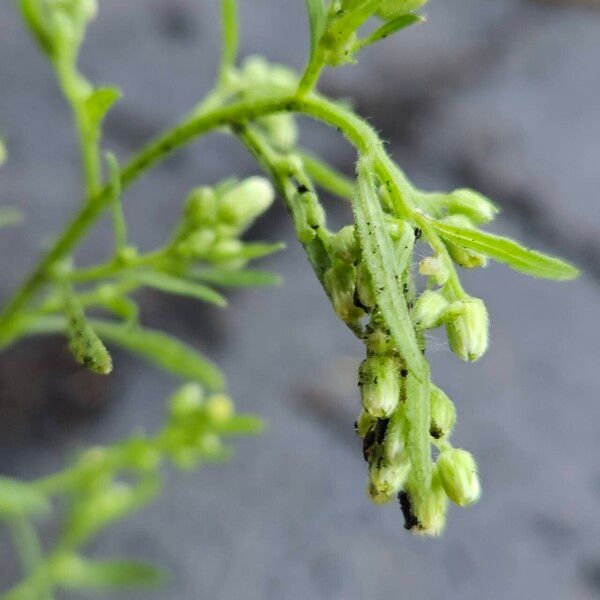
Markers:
252,250
507,251
235,277
165,351
9,215
99,102
175,285
316,21
35,18
19,498
76,573
241,425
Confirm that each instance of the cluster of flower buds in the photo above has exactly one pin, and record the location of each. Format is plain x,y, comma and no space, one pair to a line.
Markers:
347,281
257,78
192,432
340,40
215,217
384,422
384,428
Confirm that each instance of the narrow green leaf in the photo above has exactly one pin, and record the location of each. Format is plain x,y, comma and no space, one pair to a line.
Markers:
507,251
175,285
163,350
418,416
253,250
383,264
389,28
20,498
241,425
327,177
9,215
110,574
235,277
316,21
118,216
99,102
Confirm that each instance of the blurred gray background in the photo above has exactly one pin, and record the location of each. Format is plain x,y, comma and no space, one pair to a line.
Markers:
503,96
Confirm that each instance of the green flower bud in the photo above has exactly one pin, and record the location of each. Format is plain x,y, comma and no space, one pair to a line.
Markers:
443,414
467,328
387,477
242,204
428,311
344,245
391,9
219,408
364,422
399,229
458,474
364,286
339,53
379,381
127,255
435,267
281,130
225,250
200,208
472,204
464,257
186,400
3,152
425,513
339,282
315,214
141,454
197,245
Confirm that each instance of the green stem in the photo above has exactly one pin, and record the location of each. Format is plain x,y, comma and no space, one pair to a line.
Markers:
229,24
30,552
356,130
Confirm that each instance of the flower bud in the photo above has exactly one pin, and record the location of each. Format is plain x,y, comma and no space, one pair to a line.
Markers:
200,208
443,414
281,129
469,259
186,400
344,245
3,152
196,245
458,473
428,311
364,422
391,9
435,267
364,286
340,284
219,408
425,513
472,204
387,477
467,328
246,201
379,381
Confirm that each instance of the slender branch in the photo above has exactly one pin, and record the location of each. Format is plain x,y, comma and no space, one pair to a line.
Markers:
230,35
356,130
